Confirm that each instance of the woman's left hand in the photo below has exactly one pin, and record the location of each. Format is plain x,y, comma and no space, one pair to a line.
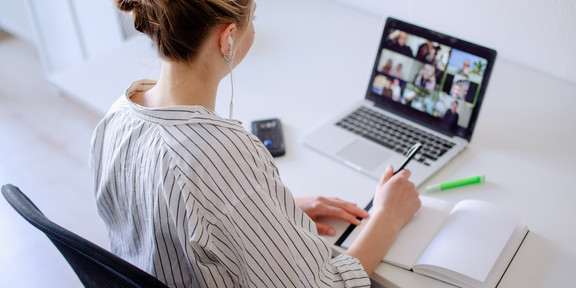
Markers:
318,206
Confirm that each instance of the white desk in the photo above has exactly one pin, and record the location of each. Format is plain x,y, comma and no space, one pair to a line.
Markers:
312,58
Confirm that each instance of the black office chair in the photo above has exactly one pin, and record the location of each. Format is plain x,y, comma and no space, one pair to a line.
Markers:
95,266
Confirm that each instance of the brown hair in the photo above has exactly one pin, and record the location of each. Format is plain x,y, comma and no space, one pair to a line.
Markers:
179,27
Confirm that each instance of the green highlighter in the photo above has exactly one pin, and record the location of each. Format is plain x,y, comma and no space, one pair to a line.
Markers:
455,183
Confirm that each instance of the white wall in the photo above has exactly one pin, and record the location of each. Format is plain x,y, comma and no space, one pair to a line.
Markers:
98,24
65,32
538,34
57,40
15,18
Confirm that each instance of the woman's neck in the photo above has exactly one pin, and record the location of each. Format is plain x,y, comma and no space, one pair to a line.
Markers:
181,84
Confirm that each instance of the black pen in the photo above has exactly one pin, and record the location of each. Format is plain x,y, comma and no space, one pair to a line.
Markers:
409,156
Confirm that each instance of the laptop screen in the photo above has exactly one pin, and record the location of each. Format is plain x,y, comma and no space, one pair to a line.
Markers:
433,79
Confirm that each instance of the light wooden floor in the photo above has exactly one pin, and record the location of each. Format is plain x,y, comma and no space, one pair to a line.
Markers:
44,150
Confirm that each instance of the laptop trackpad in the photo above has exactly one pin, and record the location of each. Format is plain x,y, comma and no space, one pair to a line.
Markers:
364,155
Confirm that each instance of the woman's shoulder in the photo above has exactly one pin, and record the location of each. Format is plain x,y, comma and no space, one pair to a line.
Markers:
209,136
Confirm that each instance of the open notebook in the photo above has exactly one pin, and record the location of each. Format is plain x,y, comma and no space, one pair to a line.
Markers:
469,244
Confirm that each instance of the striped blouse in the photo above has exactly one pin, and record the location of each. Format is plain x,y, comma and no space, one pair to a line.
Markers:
197,201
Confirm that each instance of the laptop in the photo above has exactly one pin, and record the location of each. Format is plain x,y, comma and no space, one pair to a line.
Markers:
426,87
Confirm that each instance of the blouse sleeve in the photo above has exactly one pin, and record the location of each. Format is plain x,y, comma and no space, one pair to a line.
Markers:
349,272
268,240
275,242
244,227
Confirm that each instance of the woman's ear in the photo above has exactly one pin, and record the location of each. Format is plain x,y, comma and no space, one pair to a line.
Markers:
227,39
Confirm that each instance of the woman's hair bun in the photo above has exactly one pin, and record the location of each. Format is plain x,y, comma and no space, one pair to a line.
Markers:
179,27
127,5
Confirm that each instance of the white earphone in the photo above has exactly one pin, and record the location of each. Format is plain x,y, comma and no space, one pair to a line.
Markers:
229,61
231,43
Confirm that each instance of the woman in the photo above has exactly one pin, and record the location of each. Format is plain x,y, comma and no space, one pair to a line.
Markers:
196,200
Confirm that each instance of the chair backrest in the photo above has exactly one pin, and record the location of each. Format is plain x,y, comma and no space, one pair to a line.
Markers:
94,265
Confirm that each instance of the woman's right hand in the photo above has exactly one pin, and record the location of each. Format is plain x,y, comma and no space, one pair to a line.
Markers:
396,198
395,203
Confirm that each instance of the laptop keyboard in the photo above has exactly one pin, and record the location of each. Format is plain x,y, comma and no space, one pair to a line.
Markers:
395,135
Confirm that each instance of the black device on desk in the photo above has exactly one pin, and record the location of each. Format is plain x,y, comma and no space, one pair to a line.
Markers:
269,131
